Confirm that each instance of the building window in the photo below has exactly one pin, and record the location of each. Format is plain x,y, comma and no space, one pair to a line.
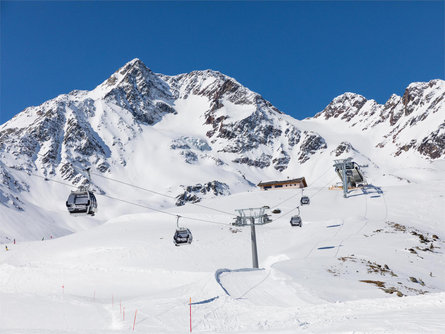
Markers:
267,187
279,186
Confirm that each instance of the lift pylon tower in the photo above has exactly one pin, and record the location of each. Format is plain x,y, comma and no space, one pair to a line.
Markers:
248,217
340,167
350,173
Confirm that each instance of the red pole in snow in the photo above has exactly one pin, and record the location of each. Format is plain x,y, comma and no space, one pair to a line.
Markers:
190,314
123,314
134,322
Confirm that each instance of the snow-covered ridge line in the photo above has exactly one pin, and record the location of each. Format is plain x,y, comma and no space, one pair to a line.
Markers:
203,134
413,122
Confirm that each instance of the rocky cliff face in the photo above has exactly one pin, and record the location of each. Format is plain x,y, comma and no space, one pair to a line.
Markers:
242,137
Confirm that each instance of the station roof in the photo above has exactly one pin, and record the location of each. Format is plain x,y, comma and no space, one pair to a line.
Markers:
273,183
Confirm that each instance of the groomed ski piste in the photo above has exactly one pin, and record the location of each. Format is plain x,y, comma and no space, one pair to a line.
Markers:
370,263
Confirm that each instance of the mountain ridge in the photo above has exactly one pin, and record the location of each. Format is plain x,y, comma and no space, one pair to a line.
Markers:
202,134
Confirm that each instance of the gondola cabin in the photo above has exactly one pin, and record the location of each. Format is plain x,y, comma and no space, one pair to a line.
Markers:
182,236
81,203
296,221
305,200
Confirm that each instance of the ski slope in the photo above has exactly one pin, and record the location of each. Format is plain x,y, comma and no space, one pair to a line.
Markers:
310,280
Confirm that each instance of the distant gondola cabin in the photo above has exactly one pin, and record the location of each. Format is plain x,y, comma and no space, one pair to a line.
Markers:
286,184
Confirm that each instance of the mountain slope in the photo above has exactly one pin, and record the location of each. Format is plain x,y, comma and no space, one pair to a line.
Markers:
373,262
196,135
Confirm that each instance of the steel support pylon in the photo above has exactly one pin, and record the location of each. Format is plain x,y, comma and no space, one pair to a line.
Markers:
253,239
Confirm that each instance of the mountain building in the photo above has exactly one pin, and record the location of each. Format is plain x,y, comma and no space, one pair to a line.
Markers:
287,184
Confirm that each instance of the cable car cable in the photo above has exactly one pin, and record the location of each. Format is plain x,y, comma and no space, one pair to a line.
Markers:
285,214
161,194
162,211
152,191
288,199
119,199
149,190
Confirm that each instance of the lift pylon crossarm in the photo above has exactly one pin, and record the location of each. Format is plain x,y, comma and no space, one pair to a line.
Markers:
251,217
244,215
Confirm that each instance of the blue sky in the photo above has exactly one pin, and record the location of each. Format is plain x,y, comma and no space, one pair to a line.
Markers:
299,55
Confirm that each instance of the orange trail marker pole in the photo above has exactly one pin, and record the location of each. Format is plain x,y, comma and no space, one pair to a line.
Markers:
190,314
134,322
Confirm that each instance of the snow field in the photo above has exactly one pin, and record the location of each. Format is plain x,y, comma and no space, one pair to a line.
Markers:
305,287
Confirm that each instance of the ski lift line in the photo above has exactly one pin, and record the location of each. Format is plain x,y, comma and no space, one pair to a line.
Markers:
288,199
134,186
119,199
43,177
313,195
287,213
157,210
140,205
160,194
40,176
327,170
204,220
162,211
131,185
196,204
47,179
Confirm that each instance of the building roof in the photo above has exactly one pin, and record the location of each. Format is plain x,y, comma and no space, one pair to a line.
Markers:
272,183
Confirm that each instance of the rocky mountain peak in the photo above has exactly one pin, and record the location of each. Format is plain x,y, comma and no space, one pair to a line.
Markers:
133,71
344,106
414,121
136,88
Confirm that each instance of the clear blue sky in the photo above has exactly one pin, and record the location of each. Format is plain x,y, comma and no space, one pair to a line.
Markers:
299,55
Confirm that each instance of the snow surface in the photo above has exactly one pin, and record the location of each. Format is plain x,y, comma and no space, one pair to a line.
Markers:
81,282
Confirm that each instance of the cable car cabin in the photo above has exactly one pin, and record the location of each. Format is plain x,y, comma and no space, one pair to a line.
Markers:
296,221
305,200
81,203
182,236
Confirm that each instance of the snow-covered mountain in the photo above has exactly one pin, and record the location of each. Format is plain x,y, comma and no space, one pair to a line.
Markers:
200,134
413,122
